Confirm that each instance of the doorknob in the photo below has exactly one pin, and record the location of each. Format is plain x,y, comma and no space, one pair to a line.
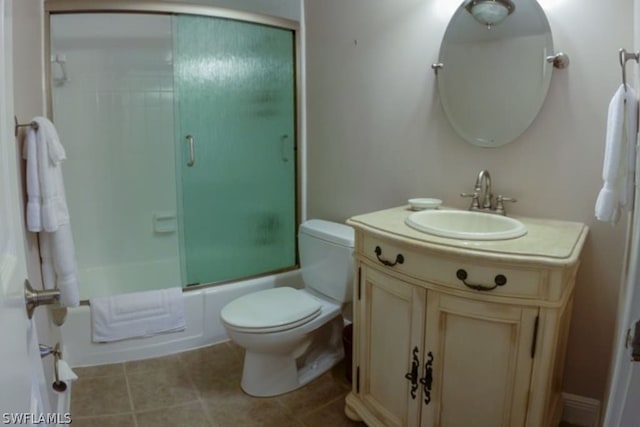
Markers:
33,298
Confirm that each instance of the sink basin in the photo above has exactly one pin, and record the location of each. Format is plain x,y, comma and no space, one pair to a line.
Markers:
466,225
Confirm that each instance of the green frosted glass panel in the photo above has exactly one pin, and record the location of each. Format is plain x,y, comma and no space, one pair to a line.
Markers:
235,93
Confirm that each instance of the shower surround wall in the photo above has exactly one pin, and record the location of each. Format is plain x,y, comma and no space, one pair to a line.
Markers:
124,208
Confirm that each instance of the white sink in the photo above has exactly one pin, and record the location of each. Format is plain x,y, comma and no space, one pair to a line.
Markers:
466,225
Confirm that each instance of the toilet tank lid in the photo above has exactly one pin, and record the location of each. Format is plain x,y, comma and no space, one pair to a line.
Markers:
333,232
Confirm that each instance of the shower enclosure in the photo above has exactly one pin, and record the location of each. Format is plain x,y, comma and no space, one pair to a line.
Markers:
180,132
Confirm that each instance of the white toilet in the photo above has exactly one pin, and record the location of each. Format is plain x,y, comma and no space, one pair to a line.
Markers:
291,336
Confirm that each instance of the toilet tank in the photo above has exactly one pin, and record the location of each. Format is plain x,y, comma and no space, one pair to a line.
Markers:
326,258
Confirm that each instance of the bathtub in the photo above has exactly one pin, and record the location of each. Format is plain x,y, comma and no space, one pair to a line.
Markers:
204,327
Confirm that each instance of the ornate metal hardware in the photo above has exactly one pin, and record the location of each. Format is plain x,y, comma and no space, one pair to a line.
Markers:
399,258
413,375
499,280
427,381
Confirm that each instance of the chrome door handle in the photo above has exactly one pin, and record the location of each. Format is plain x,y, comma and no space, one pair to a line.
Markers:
33,298
192,154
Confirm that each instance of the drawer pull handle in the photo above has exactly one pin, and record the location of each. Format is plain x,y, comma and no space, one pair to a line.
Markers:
499,280
413,375
427,381
399,258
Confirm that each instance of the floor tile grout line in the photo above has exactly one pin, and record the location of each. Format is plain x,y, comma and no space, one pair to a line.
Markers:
324,405
92,377
303,415
200,399
206,413
133,409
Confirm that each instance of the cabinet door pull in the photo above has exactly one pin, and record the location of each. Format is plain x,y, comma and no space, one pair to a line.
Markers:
413,375
399,258
427,381
499,280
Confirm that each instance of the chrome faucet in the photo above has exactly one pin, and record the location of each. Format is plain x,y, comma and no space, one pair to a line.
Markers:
483,183
482,191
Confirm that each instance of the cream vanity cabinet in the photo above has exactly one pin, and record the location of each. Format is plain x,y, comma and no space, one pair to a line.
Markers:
430,350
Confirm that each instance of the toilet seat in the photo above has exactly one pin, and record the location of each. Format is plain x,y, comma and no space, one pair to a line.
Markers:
271,310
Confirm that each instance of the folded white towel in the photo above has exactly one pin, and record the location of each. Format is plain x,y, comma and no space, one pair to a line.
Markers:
138,314
47,205
619,158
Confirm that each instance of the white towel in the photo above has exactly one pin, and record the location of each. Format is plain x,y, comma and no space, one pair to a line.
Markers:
59,270
54,211
34,215
138,314
47,211
619,157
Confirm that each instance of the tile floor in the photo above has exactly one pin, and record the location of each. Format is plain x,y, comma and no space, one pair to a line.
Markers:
199,388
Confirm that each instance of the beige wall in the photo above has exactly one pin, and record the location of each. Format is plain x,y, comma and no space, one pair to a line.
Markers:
377,136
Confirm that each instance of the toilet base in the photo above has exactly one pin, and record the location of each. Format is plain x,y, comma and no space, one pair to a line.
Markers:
268,374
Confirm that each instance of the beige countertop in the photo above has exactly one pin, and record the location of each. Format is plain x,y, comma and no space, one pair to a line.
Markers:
548,241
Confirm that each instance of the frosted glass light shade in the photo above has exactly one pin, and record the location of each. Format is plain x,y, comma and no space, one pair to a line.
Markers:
490,12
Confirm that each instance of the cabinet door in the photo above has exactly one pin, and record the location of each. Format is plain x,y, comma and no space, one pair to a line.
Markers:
482,359
391,331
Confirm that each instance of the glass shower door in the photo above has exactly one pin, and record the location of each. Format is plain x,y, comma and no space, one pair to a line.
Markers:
234,84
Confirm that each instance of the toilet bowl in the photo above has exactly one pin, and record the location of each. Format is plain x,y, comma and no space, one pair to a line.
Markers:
292,336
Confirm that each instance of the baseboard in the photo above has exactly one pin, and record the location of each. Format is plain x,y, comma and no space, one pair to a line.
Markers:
579,410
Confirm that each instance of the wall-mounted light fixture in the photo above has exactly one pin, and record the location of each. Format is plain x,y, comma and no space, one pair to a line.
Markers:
490,12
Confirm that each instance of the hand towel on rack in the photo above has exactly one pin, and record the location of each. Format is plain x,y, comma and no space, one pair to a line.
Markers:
138,314
50,153
47,211
620,154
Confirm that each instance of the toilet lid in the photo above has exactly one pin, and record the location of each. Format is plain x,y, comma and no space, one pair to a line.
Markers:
272,309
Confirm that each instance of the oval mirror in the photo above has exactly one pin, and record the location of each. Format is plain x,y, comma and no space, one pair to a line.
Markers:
494,74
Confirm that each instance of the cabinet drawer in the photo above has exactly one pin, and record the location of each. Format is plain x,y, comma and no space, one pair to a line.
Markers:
452,273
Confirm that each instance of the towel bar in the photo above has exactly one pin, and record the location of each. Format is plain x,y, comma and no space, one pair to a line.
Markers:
624,56
33,125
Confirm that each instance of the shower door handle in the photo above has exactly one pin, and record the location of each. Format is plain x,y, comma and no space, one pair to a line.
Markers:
284,146
192,153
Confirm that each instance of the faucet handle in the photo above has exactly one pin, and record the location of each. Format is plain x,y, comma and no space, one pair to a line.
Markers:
500,205
475,203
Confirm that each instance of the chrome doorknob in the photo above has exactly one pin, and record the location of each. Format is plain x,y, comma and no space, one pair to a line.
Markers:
33,298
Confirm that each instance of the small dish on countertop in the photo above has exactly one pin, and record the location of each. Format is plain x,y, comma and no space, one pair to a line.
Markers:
423,203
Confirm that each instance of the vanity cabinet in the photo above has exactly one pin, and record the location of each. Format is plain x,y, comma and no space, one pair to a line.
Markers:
430,350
